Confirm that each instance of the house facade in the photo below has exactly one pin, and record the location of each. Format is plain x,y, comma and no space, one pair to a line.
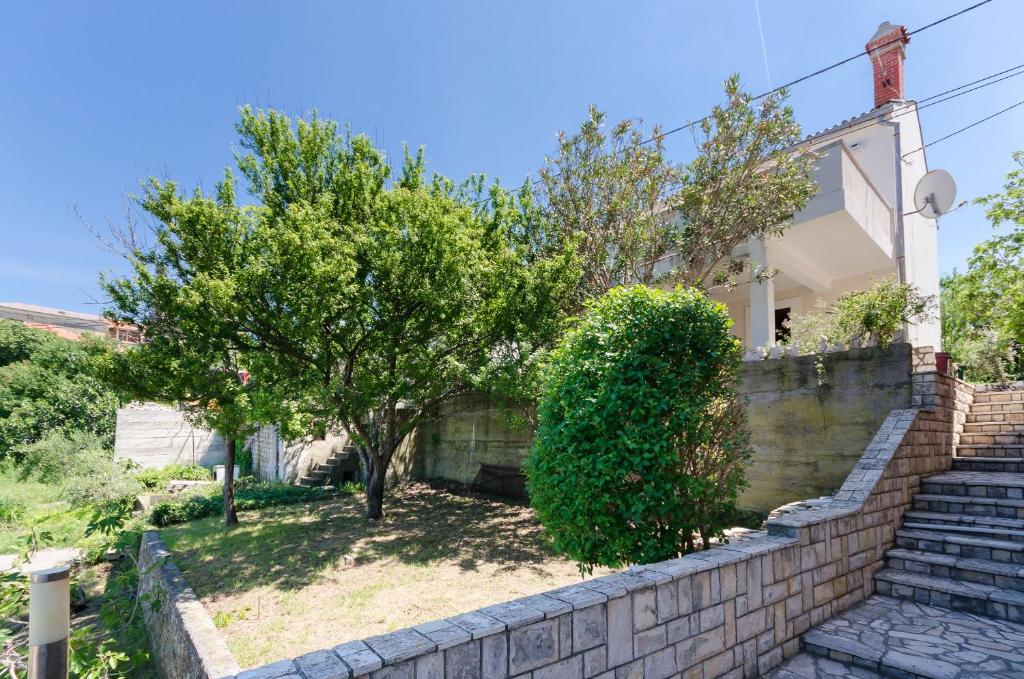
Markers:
861,226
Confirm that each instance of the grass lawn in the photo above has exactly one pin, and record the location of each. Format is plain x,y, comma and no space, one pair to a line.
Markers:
304,577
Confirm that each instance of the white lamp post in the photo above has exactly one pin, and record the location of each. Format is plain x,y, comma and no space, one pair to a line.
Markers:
49,623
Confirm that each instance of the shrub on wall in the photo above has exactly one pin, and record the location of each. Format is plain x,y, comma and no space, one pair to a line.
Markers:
641,440
877,313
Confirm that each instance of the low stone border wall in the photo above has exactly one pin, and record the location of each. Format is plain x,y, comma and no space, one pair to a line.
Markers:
184,641
733,611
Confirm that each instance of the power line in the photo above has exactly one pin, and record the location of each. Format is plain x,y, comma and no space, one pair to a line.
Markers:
820,71
932,100
964,129
826,69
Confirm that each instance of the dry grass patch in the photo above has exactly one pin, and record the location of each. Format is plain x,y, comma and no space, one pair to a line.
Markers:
294,579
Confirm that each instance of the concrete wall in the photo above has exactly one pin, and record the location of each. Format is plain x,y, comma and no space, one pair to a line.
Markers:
737,610
154,436
808,428
185,642
274,459
806,436
470,432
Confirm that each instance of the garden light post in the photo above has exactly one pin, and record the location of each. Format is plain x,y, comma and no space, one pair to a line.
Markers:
49,622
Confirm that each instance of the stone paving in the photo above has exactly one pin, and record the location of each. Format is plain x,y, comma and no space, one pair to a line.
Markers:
807,666
903,638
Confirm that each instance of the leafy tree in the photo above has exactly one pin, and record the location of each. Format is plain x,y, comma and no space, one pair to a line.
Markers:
634,209
641,442
983,307
181,295
362,302
48,384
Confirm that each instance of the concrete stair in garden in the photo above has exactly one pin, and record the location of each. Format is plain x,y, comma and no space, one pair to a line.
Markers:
341,466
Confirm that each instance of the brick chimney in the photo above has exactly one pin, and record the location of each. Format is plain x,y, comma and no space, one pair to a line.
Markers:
886,51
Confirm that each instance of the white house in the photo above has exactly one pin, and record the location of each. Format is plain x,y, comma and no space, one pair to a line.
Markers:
861,225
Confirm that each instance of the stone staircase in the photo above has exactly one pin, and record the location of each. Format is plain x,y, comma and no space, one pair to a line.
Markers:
958,564
340,467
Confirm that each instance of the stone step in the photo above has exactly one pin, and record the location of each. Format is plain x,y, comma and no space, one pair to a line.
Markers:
1012,438
999,396
1013,465
980,531
927,539
852,658
1001,417
809,666
981,571
971,597
974,506
975,484
918,516
309,481
992,427
998,407
989,450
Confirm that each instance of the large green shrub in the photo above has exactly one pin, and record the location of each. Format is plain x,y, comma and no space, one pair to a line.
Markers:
80,464
157,479
49,384
641,440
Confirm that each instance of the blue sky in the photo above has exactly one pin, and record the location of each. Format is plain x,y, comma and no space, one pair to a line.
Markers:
95,96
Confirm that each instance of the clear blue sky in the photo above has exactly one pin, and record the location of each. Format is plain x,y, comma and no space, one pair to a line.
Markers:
95,96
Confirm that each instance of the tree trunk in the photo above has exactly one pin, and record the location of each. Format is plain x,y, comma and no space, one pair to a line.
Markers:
374,492
230,516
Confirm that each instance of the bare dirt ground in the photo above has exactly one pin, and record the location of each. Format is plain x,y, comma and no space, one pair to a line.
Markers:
295,579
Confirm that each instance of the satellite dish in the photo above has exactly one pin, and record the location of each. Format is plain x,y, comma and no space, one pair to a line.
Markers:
935,194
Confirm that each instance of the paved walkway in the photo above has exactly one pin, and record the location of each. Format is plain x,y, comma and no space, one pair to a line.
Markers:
902,638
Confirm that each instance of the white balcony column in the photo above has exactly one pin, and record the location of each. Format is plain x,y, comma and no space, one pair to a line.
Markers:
762,297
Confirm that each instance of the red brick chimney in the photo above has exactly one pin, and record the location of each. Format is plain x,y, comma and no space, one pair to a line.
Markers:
886,51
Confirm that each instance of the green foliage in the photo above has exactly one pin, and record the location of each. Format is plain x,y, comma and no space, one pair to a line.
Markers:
345,292
877,313
157,479
11,512
50,384
627,207
983,307
248,496
80,464
642,438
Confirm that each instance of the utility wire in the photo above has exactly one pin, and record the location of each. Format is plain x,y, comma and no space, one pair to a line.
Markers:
820,71
964,129
933,100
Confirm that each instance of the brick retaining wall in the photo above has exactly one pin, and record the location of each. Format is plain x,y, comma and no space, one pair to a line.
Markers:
733,611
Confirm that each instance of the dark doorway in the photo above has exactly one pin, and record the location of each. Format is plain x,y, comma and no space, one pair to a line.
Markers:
782,324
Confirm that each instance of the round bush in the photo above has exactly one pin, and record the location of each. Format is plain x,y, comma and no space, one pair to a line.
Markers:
641,440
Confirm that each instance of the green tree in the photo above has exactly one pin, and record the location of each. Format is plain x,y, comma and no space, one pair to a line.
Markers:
181,295
642,438
640,218
363,302
49,384
983,307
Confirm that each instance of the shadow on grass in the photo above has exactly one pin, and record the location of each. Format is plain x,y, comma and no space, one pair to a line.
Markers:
287,547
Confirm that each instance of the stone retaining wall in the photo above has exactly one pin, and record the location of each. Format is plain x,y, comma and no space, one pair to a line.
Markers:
736,610
185,643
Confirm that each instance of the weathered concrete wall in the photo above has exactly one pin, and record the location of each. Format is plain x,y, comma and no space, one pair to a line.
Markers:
154,436
737,610
808,428
185,643
810,418
470,432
